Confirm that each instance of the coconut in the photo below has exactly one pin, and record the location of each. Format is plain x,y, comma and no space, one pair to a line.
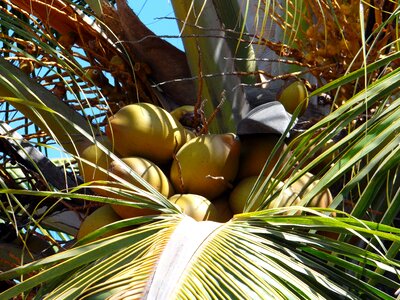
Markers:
102,216
239,195
146,169
206,165
181,111
224,211
189,134
195,206
93,162
306,184
294,95
255,151
146,130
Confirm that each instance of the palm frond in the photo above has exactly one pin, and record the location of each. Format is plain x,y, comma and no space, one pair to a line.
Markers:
253,256
346,251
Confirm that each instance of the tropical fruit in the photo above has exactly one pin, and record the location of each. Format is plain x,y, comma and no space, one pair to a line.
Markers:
146,169
189,134
255,150
149,172
180,112
126,212
102,216
146,130
305,184
327,161
93,162
186,116
206,165
322,163
195,206
93,159
293,95
241,192
117,64
224,211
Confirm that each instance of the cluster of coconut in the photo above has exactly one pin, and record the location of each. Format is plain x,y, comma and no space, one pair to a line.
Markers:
208,176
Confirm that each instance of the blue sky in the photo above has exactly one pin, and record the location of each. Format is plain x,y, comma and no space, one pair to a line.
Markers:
151,13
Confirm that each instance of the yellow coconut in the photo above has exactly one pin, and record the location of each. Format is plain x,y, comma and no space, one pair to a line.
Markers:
195,206
327,161
306,184
149,172
102,216
186,116
322,164
241,192
117,64
294,95
180,111
255,150
189,134
206,165
93,162
146,130
224,211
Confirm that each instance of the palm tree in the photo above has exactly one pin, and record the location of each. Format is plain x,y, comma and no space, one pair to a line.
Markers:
61,80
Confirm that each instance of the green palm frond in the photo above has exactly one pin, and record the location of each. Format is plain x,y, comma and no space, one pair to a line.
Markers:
251,256
119,250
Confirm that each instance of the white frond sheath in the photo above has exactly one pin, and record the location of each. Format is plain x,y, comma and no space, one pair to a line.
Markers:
178,254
